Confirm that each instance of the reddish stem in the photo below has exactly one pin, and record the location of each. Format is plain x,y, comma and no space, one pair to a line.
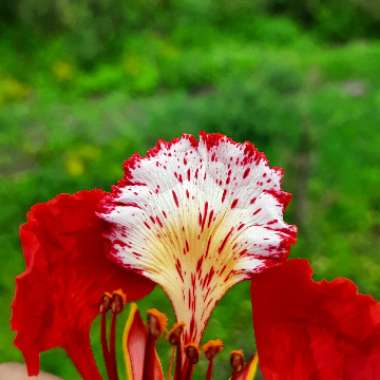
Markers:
106,353
112,355
178,364
148,372
210,369
236,375
189,371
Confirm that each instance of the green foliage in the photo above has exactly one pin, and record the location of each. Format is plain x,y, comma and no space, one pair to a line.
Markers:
68,121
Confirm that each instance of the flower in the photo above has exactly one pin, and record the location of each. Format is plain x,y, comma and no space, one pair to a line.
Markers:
197,217
67,272
313,330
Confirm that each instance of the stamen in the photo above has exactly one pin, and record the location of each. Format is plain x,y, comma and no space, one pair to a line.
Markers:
105,302
104,307
156,324
237,363
192,355
118,302
175,338
211,349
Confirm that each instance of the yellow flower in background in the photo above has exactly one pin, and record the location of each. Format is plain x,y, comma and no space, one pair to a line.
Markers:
74,165
11,89
76,162
63,71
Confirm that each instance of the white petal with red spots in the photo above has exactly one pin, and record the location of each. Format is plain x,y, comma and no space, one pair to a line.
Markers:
196,218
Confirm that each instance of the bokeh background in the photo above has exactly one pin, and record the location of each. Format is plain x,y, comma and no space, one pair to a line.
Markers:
84,83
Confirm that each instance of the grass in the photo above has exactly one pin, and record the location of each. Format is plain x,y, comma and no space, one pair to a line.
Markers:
313,108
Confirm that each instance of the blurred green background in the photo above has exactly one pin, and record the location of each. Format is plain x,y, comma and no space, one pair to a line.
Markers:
84,83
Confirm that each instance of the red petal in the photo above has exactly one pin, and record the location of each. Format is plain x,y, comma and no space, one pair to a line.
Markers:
66,274
314,330
134,344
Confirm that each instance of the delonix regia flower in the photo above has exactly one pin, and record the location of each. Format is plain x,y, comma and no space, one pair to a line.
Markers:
195,217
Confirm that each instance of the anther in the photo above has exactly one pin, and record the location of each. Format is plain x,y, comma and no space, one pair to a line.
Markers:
118,301
174,335
105,302
237,362
157,322
192,353
212,347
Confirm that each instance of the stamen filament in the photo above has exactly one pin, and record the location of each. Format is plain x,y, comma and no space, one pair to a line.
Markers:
113,361
210,369
149,357
178,363
118,302
104,307
189,371
103,337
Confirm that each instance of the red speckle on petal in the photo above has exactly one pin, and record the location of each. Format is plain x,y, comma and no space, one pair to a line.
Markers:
224,195
159,221
210,218
208,246
204,216
234,203
175,198
199,264
179,269
220,249
210,276
246,172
